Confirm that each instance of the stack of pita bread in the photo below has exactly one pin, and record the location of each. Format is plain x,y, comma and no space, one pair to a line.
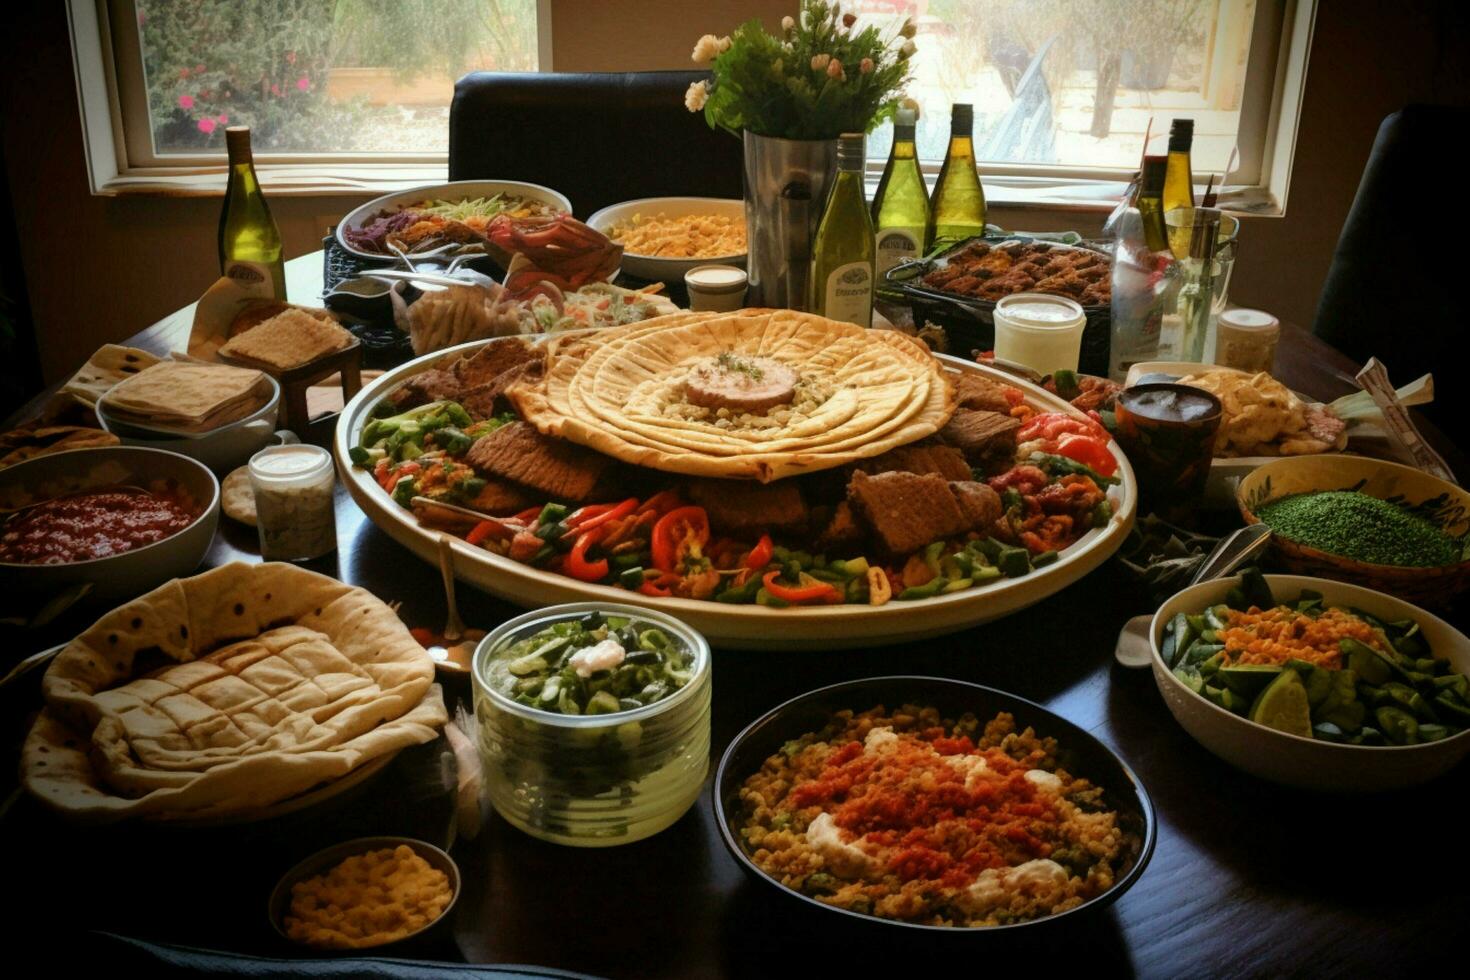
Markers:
288,339
223,694
185,396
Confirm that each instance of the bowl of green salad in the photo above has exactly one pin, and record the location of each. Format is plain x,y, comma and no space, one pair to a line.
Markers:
594,721
1315,683
1367,521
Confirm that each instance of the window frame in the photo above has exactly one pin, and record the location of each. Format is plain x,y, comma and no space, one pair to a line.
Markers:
1270,109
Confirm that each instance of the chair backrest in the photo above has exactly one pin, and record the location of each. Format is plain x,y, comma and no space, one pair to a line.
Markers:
1384,294
597,138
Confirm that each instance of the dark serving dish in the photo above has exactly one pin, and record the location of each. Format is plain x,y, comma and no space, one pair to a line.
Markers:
967,320
327,858
1078,752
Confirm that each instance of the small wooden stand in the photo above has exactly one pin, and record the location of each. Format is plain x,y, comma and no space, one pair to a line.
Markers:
294,414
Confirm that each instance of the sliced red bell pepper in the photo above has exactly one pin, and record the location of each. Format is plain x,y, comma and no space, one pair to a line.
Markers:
577,565
677,534
810,589
661,503
661,586
596,515
760,555
1089,452
529,515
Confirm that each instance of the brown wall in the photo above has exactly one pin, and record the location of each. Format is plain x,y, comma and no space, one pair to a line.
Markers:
100,269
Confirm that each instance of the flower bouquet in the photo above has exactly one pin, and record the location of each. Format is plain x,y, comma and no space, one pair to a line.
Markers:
789,96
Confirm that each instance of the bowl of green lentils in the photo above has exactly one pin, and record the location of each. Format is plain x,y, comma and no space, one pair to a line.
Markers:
1366,521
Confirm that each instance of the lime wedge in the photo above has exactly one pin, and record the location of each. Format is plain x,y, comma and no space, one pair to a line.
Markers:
1283,706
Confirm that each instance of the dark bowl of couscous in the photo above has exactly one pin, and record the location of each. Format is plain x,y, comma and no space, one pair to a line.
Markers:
932,805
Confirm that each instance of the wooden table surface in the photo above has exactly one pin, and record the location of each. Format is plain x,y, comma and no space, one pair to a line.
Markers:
1247,879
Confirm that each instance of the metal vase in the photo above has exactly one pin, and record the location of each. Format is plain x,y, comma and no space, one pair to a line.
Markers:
786,184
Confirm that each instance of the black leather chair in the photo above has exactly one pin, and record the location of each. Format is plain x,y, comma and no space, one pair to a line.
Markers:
1386,294
597,138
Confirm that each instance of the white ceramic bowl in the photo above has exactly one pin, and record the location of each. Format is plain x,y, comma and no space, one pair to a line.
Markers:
132,572
657,268
726,624
220,449
1295,760
455,190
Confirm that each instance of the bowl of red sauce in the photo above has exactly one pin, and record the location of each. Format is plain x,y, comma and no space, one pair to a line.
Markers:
123,518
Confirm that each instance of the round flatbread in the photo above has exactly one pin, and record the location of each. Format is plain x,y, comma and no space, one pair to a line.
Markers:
225,693
237,496
626,393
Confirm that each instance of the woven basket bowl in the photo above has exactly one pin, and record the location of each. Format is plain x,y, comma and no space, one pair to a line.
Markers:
1444,504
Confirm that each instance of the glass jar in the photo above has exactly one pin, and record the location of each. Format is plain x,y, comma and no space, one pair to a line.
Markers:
593,780
293,502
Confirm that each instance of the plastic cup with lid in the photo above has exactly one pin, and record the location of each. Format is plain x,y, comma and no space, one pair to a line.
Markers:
1041,331
716,288
294,510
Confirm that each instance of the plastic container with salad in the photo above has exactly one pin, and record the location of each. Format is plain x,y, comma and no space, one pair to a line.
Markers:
594,721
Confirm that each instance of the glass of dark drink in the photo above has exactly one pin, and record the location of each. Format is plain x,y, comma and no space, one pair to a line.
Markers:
1168,431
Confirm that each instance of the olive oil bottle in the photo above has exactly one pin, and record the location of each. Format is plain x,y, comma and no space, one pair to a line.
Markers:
843,253
249,241
901,206
1178,180
958,206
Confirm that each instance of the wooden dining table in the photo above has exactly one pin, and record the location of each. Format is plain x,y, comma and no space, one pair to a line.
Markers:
1247,879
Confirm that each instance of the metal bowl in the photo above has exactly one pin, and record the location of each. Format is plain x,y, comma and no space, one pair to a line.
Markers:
132,572
327,858
1080,753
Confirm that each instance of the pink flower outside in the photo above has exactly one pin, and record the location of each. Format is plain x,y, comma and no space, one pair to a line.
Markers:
275,90
224,118
303,83
186,102
206,125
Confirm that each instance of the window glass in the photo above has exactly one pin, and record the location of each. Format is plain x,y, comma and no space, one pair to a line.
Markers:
1074,83
321,76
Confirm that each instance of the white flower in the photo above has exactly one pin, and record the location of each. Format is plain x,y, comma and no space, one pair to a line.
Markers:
697,96
907,50
725,44
820,62
834,69
706,49
788,24
866,66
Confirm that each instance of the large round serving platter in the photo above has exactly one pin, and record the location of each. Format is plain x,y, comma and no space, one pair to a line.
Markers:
740,626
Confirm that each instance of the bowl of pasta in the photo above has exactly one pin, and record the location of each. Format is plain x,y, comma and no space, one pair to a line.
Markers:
665,237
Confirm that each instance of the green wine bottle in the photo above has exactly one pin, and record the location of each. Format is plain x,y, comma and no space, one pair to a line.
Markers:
958,207
249,241
901,206
843,252
1150,204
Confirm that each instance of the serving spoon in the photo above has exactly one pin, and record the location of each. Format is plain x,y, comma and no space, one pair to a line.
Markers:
1135,647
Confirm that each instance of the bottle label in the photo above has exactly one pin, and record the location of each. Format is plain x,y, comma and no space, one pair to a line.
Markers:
896,245
849,294
255,278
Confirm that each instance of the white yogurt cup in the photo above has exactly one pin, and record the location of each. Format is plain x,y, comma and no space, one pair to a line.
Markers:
1041,331
715,288
293,502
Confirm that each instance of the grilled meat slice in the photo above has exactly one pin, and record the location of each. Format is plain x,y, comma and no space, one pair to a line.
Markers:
742,506
841,532
980,504
435,384
946,461
496,358
488,400
501,497
977,391
981,435
560,469
905,511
